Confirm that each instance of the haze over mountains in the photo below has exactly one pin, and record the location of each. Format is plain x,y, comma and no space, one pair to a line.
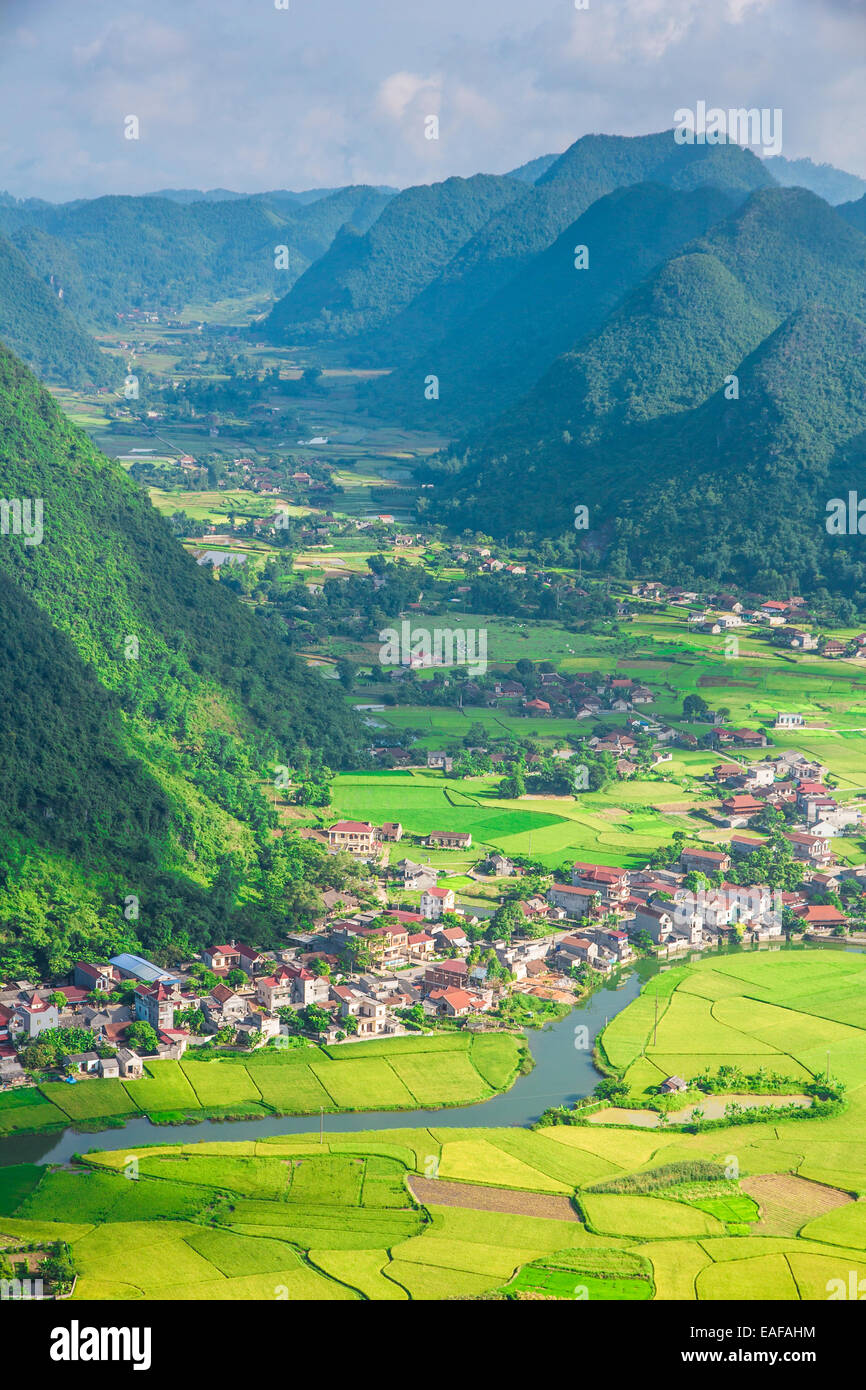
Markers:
559,385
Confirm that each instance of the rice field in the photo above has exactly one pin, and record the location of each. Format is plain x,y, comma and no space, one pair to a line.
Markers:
356,1216
384,1074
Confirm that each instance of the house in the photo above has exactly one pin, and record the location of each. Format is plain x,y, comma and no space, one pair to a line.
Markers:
137,968
821,918
421,945
223,1008
500,866
613,884
575,902
86,1062
833,648
155,1004
445,973
435,901
536,706
452,936
130,1064
389,943
221,957
706,861
815,849
576,950
743,845
442,761
358,837
454,1003
108,1068
93,977
739,809
674,1083
392,831
788,721
35,1016
372,1014
333,898
291,986
449,839
654,919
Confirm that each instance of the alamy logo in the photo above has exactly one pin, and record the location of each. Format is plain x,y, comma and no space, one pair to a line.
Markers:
740,126
77,1343
17,1290
846,518
441,646
22,516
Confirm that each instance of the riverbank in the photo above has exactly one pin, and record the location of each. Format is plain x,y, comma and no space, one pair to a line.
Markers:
442,1070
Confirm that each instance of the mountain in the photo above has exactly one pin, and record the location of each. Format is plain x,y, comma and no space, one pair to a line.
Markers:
363,281
40,328
833,185
744,492
532,171
599,421
549,305
143,706
592,167
116,253
275,195
855,213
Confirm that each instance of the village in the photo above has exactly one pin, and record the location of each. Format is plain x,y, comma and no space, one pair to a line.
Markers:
372,969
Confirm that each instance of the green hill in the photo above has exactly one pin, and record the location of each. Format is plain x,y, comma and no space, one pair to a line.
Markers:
744,489
599,421
143,709
834,185
40,328
855,213
118,253
548,306
592,167
363,281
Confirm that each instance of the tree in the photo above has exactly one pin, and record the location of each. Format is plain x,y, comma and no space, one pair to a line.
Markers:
237,978
142,1036
316,1019
695,708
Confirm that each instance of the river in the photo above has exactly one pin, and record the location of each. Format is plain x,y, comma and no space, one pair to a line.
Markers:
563,1072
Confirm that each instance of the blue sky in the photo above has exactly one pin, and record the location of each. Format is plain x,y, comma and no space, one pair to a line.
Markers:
239,94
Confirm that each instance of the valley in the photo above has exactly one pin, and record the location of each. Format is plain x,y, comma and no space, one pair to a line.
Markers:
434,727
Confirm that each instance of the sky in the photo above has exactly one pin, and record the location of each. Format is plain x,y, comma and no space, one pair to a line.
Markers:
241,94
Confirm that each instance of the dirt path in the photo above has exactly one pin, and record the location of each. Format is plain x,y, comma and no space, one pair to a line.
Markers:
466,1194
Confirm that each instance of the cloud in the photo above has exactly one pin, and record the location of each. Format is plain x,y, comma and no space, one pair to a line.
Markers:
245,96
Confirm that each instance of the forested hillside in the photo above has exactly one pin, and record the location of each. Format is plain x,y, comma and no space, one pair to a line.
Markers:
592,167
143,710
119,253
549,305
42,330
363,281
603,423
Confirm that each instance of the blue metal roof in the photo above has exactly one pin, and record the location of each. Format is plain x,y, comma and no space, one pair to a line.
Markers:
142,969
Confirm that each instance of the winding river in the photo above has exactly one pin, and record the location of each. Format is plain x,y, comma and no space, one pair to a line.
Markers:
563,1072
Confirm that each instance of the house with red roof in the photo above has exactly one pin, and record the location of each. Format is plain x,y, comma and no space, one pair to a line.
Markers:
357,837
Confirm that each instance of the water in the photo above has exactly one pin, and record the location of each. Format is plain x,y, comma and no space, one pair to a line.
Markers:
562,1073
